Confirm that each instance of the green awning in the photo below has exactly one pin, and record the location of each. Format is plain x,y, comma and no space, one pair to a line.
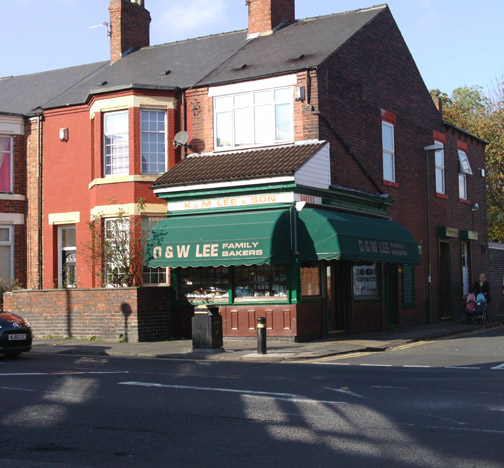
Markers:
221,239
330,235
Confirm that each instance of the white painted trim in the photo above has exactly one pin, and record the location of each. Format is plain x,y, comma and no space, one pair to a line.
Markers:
129,209
12,197
123,179
11,125
495,246
247,86
72,217
125,102
12,218
217,185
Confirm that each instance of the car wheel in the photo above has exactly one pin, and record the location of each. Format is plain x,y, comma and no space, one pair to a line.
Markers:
12,354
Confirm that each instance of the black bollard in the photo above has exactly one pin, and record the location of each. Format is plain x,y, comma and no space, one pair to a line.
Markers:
261,335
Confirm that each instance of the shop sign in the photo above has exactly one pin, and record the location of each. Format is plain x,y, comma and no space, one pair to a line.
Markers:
230,202
388,248
228,249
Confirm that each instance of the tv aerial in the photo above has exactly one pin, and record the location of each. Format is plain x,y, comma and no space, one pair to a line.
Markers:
107,25
181,139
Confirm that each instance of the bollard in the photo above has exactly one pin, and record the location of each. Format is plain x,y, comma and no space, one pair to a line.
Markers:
261,335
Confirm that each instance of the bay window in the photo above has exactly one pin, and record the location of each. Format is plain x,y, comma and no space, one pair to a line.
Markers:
6,150
254,118
116,143
153,130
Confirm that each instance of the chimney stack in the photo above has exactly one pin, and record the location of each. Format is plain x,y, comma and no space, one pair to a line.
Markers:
267,15
129,27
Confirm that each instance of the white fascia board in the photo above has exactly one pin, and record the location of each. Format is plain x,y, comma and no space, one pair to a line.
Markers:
219,185
256,85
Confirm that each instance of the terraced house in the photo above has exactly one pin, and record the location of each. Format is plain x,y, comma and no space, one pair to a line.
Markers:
297,170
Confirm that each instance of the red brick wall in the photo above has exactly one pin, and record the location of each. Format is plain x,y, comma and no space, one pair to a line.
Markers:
374,72
141,314
265,15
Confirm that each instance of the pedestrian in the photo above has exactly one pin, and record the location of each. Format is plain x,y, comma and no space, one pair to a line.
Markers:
482,287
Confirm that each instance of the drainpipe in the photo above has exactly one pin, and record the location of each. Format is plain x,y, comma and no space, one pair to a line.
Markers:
428,149
39,201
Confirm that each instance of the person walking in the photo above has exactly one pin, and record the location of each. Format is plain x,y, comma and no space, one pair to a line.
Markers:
482,287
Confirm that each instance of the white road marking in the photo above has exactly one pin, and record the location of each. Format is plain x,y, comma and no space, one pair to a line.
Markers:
463,367
375,365
499,367
346,392
210,389
417,366
32,374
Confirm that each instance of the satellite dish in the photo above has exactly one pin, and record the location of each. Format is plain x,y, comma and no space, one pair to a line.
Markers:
181,139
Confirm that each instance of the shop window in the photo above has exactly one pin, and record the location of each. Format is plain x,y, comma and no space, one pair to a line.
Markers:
6,254
260,282
310,280
388,152
204,284
6,164
157,275
365,284
153,126
116,143
408,286
254,118
67,257
440,169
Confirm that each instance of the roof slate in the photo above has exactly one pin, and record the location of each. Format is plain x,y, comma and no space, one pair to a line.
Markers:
274,161
204,61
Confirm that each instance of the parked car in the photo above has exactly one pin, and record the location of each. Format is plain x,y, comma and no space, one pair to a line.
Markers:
15,335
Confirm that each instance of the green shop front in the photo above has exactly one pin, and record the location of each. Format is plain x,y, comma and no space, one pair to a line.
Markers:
311,261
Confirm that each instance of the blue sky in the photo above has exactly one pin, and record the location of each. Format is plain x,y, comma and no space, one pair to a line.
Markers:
453,42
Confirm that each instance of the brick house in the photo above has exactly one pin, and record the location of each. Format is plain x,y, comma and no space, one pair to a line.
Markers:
320,132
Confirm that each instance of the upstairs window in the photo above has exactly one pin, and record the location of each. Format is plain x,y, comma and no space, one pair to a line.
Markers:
440,169
388,151
465,168
153,128
6,164
254,118
116,143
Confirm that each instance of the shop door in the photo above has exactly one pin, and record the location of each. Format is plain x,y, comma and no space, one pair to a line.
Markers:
338,295
445,280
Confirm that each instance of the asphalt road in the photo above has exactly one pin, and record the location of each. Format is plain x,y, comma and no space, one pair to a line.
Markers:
433,404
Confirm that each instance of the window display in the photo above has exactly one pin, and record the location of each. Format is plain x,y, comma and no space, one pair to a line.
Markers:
260,282
365,285
204,284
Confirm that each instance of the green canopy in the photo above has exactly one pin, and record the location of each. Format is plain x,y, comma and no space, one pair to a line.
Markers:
221,239
331,235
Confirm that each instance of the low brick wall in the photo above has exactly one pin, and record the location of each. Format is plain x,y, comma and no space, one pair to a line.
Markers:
139,314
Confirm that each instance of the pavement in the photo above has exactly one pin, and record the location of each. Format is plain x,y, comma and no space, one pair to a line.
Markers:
278,350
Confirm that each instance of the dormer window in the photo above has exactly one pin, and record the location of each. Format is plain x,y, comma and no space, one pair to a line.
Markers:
255,118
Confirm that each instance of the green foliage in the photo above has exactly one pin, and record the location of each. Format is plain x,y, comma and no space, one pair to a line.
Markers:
469,108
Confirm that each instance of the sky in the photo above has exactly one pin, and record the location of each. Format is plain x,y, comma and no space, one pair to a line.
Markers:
453,42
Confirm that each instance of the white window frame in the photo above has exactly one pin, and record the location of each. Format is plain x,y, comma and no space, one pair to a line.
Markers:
113,168
148,224
61,250
10,244
124,228
10,155
462,183
440,168
465,166
387,152
272,105
143,136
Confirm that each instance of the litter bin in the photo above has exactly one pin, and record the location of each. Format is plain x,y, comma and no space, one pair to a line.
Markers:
207,328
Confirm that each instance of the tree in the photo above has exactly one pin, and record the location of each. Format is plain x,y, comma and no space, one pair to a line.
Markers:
469,108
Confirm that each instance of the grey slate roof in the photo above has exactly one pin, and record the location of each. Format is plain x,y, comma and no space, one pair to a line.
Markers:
205,61
273,161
